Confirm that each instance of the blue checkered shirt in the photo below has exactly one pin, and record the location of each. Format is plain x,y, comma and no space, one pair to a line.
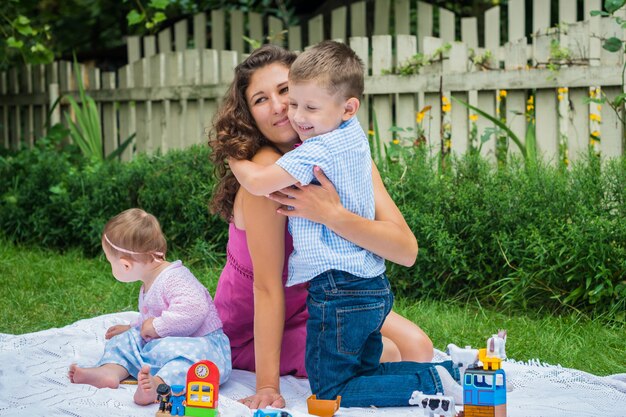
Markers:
344,156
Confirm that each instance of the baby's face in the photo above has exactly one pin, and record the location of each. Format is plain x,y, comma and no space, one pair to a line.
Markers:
313,110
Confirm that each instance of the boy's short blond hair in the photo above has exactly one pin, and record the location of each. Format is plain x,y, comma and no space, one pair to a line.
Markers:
334,65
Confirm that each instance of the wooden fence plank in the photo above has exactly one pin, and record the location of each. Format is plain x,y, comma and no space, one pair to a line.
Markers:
275,26
382,9
486,102
446,26
339,17
541,15
360,45
469,31
29,122
295,38
237,31
4,110
492,40
143,109
193,76
15,115
578,126
547,124
127,117
316,30
516,20
382,60
568,10
402,14
358,19
611,144
165,41
406,47
133,48
109,116
424,22
181,30
199,30
149,46
218,39
255,25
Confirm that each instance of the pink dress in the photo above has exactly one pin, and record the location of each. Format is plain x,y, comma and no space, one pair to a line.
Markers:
234,300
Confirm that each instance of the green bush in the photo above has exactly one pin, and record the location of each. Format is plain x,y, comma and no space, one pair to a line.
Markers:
543,238
49,199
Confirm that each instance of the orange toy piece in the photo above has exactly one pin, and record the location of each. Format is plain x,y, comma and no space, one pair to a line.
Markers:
489,363
323,408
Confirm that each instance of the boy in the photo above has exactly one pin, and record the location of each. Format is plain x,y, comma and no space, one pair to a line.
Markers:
349,295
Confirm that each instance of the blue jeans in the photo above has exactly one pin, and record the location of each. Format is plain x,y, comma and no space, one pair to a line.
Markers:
344,345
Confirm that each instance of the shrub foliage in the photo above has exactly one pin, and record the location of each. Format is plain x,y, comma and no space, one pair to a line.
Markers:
542,237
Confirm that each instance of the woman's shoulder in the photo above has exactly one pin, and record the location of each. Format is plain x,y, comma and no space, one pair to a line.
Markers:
267,155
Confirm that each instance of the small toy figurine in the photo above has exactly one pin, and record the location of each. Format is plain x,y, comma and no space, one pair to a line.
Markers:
163,396
177,400
323,408
271,413
439,405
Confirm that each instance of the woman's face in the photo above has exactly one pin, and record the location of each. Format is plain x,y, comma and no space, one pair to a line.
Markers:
268,99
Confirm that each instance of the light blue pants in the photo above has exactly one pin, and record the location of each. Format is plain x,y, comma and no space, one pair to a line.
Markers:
169,357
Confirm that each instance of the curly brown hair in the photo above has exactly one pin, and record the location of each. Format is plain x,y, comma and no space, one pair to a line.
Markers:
235,133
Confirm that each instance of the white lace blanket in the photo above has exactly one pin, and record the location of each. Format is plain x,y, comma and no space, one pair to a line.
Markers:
33,382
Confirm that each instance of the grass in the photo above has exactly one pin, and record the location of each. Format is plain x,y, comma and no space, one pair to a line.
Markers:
44,289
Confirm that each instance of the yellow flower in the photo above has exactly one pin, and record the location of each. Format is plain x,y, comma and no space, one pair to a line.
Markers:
446,108
530,100
566,161
560,97
502,93
447,143
395,141
562,90
444,100
599,107
371,132
473,117
529,107
595,117
419,117
595,134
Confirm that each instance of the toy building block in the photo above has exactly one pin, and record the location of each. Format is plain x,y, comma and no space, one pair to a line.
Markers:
484,393
434,405
203,383
271,413
323,408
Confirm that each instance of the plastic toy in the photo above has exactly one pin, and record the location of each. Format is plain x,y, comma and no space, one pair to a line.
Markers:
271,413
323,408
163,397
484,393
435,405
177,400
203,384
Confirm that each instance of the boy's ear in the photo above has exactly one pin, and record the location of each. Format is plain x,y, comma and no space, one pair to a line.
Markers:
351,107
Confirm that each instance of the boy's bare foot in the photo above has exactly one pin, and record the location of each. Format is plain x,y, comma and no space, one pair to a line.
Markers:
146,387
100,377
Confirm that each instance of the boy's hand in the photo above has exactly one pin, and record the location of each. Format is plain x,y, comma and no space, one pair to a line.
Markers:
115,330
147,330
263,398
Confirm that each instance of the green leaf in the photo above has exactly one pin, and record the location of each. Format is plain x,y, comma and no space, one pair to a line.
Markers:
612,6
599,13
14,43
612,44
134,17
619,100
159,17
25,30
21,20
159,4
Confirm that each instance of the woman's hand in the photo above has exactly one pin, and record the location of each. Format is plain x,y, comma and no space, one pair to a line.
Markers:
115,330
147,330
264,397
319,204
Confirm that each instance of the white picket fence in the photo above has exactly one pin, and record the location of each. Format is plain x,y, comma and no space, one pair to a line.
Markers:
168,97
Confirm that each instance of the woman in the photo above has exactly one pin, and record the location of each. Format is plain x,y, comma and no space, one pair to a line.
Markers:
265,321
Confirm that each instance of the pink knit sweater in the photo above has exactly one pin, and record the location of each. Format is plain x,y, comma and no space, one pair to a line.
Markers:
181,305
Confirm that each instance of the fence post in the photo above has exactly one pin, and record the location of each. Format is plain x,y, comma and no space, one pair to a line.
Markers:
53,96
360,45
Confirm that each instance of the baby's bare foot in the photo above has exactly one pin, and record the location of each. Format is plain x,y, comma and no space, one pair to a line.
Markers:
146,387
100,377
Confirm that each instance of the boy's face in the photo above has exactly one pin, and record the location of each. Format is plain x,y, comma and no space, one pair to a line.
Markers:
313,110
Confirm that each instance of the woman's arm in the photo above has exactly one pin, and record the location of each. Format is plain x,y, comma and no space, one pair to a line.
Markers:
388,236
265,231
